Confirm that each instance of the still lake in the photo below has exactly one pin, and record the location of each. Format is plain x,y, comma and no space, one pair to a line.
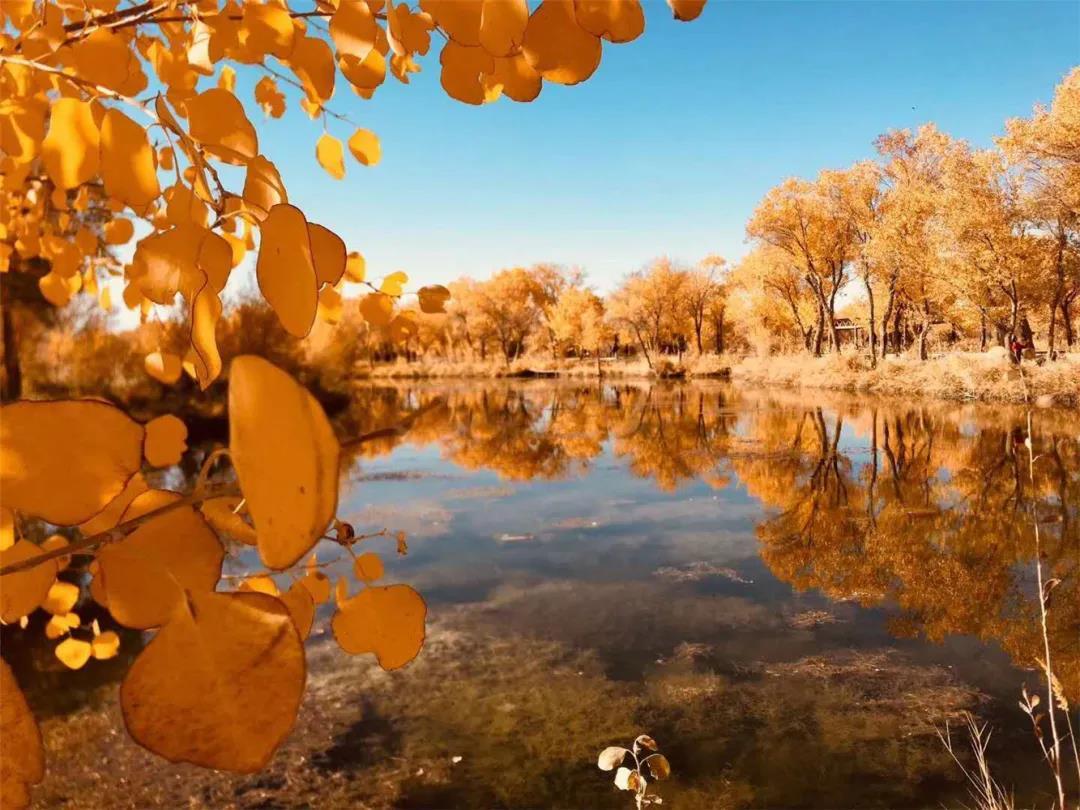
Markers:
791,592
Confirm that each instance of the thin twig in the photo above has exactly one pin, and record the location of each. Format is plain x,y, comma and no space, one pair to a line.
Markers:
118,532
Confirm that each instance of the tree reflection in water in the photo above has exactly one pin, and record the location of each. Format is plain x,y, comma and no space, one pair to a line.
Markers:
918,505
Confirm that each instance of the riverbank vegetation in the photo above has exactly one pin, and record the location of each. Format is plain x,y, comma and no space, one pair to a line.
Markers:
927,270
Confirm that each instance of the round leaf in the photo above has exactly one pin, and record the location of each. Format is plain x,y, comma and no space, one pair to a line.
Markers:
387,621
64,461
286,458
220,684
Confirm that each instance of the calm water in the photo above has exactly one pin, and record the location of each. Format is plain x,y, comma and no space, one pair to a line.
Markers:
791,593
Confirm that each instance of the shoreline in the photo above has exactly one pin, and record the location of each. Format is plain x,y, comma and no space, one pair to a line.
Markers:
961,377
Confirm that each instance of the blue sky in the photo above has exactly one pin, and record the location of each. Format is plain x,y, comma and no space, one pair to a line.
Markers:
668,147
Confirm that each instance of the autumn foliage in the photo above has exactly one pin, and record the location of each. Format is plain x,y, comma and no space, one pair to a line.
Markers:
122,125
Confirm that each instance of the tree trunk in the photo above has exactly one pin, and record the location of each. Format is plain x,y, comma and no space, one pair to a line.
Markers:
1014,300
885,318
644,348
1066,319
982,332
1051,354
924,332
12,387
835,335
820,333
873,327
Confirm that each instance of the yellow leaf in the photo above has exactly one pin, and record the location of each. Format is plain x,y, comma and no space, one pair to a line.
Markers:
463,69
23,762
355,267
184,207
127,162
105,645
73,652
22,130
268,28
353,29
260,584
433,298
166,440
331,306
614,20
145,574
86,241
107,58
163,366
61,598
301,607
377,309
56,627
387,621
205,358
364,75
313,63
70,151
394,284
57,289
341,591
23,591
227,78
57,541
111,514
407,31
182,259
7,528
460,21
198,52
219,686
327,253
686,10
368,567
364,145
557,47
502,26
331,156
118,231
64,461
263,188
221,514
286,459
317,584
285,269
216,120
269,98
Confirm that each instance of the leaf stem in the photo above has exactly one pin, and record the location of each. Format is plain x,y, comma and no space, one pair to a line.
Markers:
118,532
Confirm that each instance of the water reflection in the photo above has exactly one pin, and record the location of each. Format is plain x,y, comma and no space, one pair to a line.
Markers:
790,592
926,506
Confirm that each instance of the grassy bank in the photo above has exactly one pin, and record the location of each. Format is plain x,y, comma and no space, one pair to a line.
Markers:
966,376
537,366
985,376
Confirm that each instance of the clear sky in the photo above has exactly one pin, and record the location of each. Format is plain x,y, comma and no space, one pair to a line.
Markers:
668,147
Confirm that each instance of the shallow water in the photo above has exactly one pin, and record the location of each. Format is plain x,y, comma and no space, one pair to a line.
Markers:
790,592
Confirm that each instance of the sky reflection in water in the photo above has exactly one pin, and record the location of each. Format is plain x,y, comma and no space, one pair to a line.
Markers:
821,580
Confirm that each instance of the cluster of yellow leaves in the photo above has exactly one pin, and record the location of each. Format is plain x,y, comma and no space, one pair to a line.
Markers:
220,683
82,156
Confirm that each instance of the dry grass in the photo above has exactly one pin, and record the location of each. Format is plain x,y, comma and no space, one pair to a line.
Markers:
486,369
986,376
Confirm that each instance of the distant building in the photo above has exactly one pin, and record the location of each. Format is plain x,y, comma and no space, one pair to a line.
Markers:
849,333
